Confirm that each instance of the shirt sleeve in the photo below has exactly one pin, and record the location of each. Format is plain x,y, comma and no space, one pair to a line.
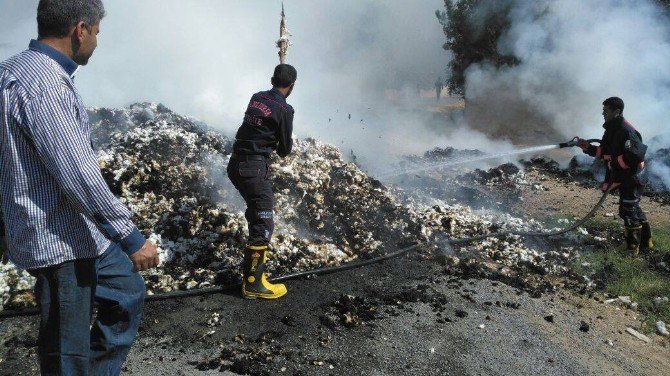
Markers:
595,151
633,151
64,147
285,133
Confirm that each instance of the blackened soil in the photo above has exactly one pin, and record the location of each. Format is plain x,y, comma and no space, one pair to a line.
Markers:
405,316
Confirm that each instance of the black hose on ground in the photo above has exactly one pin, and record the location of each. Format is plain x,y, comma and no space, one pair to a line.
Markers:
341,268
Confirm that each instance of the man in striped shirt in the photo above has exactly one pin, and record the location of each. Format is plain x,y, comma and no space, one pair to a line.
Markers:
61,221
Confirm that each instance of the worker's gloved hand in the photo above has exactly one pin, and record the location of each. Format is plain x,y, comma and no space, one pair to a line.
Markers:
146,257
582,143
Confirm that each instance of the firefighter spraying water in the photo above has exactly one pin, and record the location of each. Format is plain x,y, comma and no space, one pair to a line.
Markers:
622,150
436,166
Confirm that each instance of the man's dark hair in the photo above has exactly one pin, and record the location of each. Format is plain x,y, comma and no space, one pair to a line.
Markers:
55,18
614,103
284,75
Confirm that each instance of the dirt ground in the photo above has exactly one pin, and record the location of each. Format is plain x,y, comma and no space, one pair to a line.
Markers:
564,198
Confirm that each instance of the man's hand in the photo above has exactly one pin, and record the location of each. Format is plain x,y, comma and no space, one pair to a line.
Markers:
146,257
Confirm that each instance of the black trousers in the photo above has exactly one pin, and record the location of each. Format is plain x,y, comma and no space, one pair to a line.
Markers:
250,177
629,205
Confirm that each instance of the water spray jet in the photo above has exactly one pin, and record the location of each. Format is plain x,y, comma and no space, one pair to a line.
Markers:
528,150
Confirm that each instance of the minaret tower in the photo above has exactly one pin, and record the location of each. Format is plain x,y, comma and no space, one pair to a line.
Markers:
283,43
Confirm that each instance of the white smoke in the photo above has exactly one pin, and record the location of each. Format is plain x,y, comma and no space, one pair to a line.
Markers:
662,171
659,168
573,55
205,58
576,53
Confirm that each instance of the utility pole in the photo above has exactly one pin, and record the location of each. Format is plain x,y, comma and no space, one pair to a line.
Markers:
283,43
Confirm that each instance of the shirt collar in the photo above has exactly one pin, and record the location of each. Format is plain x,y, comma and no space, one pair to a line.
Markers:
617,121
277,92
63,60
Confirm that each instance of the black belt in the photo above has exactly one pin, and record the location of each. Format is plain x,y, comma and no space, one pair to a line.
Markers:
248,157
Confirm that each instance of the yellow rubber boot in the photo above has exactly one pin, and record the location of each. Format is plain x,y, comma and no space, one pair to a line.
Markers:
255,285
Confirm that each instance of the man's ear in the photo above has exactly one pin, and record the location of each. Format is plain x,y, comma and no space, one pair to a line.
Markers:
289,90
79,29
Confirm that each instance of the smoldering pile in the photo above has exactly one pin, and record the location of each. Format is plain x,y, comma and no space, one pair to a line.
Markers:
451,178
448,153
170,171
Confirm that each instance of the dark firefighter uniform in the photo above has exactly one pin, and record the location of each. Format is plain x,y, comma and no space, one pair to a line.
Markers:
622,150
267,126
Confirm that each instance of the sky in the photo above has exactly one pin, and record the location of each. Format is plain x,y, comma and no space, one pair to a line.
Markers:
204,58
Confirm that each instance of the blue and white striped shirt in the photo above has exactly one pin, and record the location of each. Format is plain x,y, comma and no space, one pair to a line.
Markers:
54,202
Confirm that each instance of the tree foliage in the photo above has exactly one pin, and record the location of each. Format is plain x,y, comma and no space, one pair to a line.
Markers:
472,30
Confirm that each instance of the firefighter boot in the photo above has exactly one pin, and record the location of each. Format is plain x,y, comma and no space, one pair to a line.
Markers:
646,243
633,239
255,285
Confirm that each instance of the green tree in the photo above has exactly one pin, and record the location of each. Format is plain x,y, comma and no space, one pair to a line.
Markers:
472,28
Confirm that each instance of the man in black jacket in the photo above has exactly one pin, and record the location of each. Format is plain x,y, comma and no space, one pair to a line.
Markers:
622,149
267,126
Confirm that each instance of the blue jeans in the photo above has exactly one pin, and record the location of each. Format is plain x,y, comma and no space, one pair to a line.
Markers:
68,344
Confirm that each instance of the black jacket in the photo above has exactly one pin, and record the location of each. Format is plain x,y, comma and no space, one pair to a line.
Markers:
621,146
267,126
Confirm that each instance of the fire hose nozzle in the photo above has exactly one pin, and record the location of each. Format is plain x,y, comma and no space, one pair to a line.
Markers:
575,142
